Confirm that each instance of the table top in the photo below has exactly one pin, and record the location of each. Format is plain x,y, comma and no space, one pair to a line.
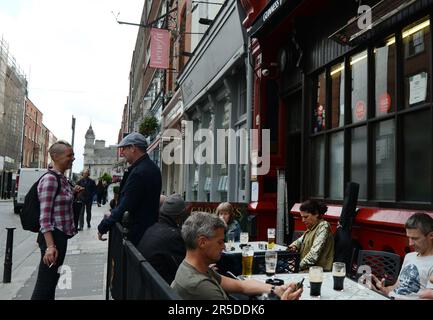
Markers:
352,290
258,246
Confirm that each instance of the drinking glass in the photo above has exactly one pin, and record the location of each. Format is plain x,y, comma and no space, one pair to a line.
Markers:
271,238
315,276
271,263
230,242
244,238
338,273
247,261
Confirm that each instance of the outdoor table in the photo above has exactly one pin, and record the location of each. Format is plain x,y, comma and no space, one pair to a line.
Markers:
352,290
258,246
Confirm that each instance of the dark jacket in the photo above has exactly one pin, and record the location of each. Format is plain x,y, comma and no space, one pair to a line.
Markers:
89,190
162,245
139,195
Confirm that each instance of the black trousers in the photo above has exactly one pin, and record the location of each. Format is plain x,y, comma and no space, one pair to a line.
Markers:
88,208
45,288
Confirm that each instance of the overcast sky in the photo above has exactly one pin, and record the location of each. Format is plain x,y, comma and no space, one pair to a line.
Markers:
77,60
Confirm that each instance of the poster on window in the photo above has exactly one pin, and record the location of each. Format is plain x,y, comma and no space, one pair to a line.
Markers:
418,88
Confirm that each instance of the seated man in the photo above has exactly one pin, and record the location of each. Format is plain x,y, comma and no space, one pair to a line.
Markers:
162,244
417,266
203,234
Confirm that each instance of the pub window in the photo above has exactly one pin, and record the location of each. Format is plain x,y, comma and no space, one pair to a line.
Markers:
384,58
359,159
417,146
384,160
337,95
318,166
319,107
336,165
416,48
358,66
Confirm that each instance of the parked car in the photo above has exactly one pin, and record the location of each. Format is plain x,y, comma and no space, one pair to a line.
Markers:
25,178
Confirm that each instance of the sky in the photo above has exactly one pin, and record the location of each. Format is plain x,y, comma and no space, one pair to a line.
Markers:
77,59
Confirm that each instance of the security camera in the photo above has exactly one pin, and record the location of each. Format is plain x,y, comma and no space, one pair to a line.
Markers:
265,72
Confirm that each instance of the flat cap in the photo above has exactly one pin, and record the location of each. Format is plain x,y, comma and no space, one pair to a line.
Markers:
173,206
134,138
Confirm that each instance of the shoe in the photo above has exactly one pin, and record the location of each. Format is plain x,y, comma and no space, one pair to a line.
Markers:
88,225
79,229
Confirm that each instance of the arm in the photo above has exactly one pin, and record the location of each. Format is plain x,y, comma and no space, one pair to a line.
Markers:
380,285
316,249
297,243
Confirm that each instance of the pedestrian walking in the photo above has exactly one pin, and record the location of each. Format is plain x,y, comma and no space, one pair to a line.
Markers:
139,190
86,197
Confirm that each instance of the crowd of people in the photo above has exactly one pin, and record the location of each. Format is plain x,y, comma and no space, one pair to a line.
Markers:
183,248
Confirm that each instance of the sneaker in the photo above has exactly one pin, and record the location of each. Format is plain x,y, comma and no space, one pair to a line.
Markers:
88,225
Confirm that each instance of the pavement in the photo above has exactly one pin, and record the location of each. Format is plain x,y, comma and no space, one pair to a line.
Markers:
82,276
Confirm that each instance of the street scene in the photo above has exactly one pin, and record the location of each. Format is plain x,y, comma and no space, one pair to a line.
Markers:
216,150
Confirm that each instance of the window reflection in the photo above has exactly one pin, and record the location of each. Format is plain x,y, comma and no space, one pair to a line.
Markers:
319,108
384,57
336,170
358,65
384,188
337,95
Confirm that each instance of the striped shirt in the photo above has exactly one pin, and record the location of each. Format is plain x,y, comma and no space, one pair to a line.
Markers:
62,217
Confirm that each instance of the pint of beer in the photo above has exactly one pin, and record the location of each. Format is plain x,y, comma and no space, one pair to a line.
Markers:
247,261
338,273
315,276
271,238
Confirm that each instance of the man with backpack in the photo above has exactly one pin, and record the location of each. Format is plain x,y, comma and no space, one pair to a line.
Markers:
56,219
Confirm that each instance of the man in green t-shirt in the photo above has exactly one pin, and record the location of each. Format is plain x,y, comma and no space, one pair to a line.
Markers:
203,234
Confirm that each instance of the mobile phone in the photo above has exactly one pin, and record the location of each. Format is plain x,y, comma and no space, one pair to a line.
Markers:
299,285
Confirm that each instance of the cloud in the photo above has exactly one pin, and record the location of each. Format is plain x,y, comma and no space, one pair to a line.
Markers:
77,60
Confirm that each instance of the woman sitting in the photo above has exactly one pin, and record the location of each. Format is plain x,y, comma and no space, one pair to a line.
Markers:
316,245
226,212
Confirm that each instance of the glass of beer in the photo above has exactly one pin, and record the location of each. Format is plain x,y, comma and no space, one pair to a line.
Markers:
271,263
338,273
315,276
230,242
247,261
271,238
244,238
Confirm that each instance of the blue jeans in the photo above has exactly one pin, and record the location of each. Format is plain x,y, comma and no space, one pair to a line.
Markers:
45,288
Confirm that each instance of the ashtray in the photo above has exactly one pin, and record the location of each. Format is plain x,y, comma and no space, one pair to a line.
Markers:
275,282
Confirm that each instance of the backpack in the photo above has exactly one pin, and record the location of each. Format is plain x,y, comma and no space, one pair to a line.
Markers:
31,211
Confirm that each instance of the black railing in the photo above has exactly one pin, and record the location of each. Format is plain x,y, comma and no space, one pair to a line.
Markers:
129,275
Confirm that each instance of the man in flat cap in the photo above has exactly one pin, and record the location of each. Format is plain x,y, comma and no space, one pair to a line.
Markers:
140,189
162,244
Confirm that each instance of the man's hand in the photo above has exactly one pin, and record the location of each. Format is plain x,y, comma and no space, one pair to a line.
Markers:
100,237
291,293
379,285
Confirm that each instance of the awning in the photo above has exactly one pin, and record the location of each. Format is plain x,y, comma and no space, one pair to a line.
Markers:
274,12
352,34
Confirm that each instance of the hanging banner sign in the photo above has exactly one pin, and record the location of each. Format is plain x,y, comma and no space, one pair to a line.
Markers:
159,48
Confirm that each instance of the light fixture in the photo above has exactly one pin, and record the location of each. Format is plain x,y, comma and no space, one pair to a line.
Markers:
205,21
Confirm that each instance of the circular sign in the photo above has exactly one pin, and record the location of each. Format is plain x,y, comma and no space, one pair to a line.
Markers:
360,110
384,102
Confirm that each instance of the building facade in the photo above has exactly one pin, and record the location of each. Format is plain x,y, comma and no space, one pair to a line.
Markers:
33,136
98,158
345,96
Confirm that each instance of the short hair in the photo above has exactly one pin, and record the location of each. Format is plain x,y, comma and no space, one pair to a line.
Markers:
226,206
421,221
314,207
200,224
58,147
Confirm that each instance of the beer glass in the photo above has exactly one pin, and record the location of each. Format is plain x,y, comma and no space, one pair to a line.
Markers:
230,242
247,260
271,238
271,263
244,238
315,276
338,273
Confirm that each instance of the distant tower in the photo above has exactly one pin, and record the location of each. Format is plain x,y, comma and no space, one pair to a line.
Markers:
89,148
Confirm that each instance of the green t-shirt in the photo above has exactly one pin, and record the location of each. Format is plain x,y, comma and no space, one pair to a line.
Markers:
191,284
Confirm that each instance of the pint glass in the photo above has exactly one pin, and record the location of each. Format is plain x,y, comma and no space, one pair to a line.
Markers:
271,238
247,261
338,273
315,276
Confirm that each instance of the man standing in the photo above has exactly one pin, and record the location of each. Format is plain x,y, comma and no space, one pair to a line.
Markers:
162,244
417,266
86,197
139,190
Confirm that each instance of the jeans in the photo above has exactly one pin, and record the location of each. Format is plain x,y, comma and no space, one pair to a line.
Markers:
88,207
45,288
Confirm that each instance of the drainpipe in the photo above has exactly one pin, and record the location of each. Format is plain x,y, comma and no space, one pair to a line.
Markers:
250,92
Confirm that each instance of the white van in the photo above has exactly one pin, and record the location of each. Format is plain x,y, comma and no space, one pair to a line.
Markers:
26,177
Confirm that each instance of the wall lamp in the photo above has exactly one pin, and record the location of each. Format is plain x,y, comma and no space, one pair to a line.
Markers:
196,3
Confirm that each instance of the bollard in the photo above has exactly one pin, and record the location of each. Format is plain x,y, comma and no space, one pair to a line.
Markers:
8,256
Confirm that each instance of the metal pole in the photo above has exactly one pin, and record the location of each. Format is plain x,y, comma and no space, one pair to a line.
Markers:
8,256
72,142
